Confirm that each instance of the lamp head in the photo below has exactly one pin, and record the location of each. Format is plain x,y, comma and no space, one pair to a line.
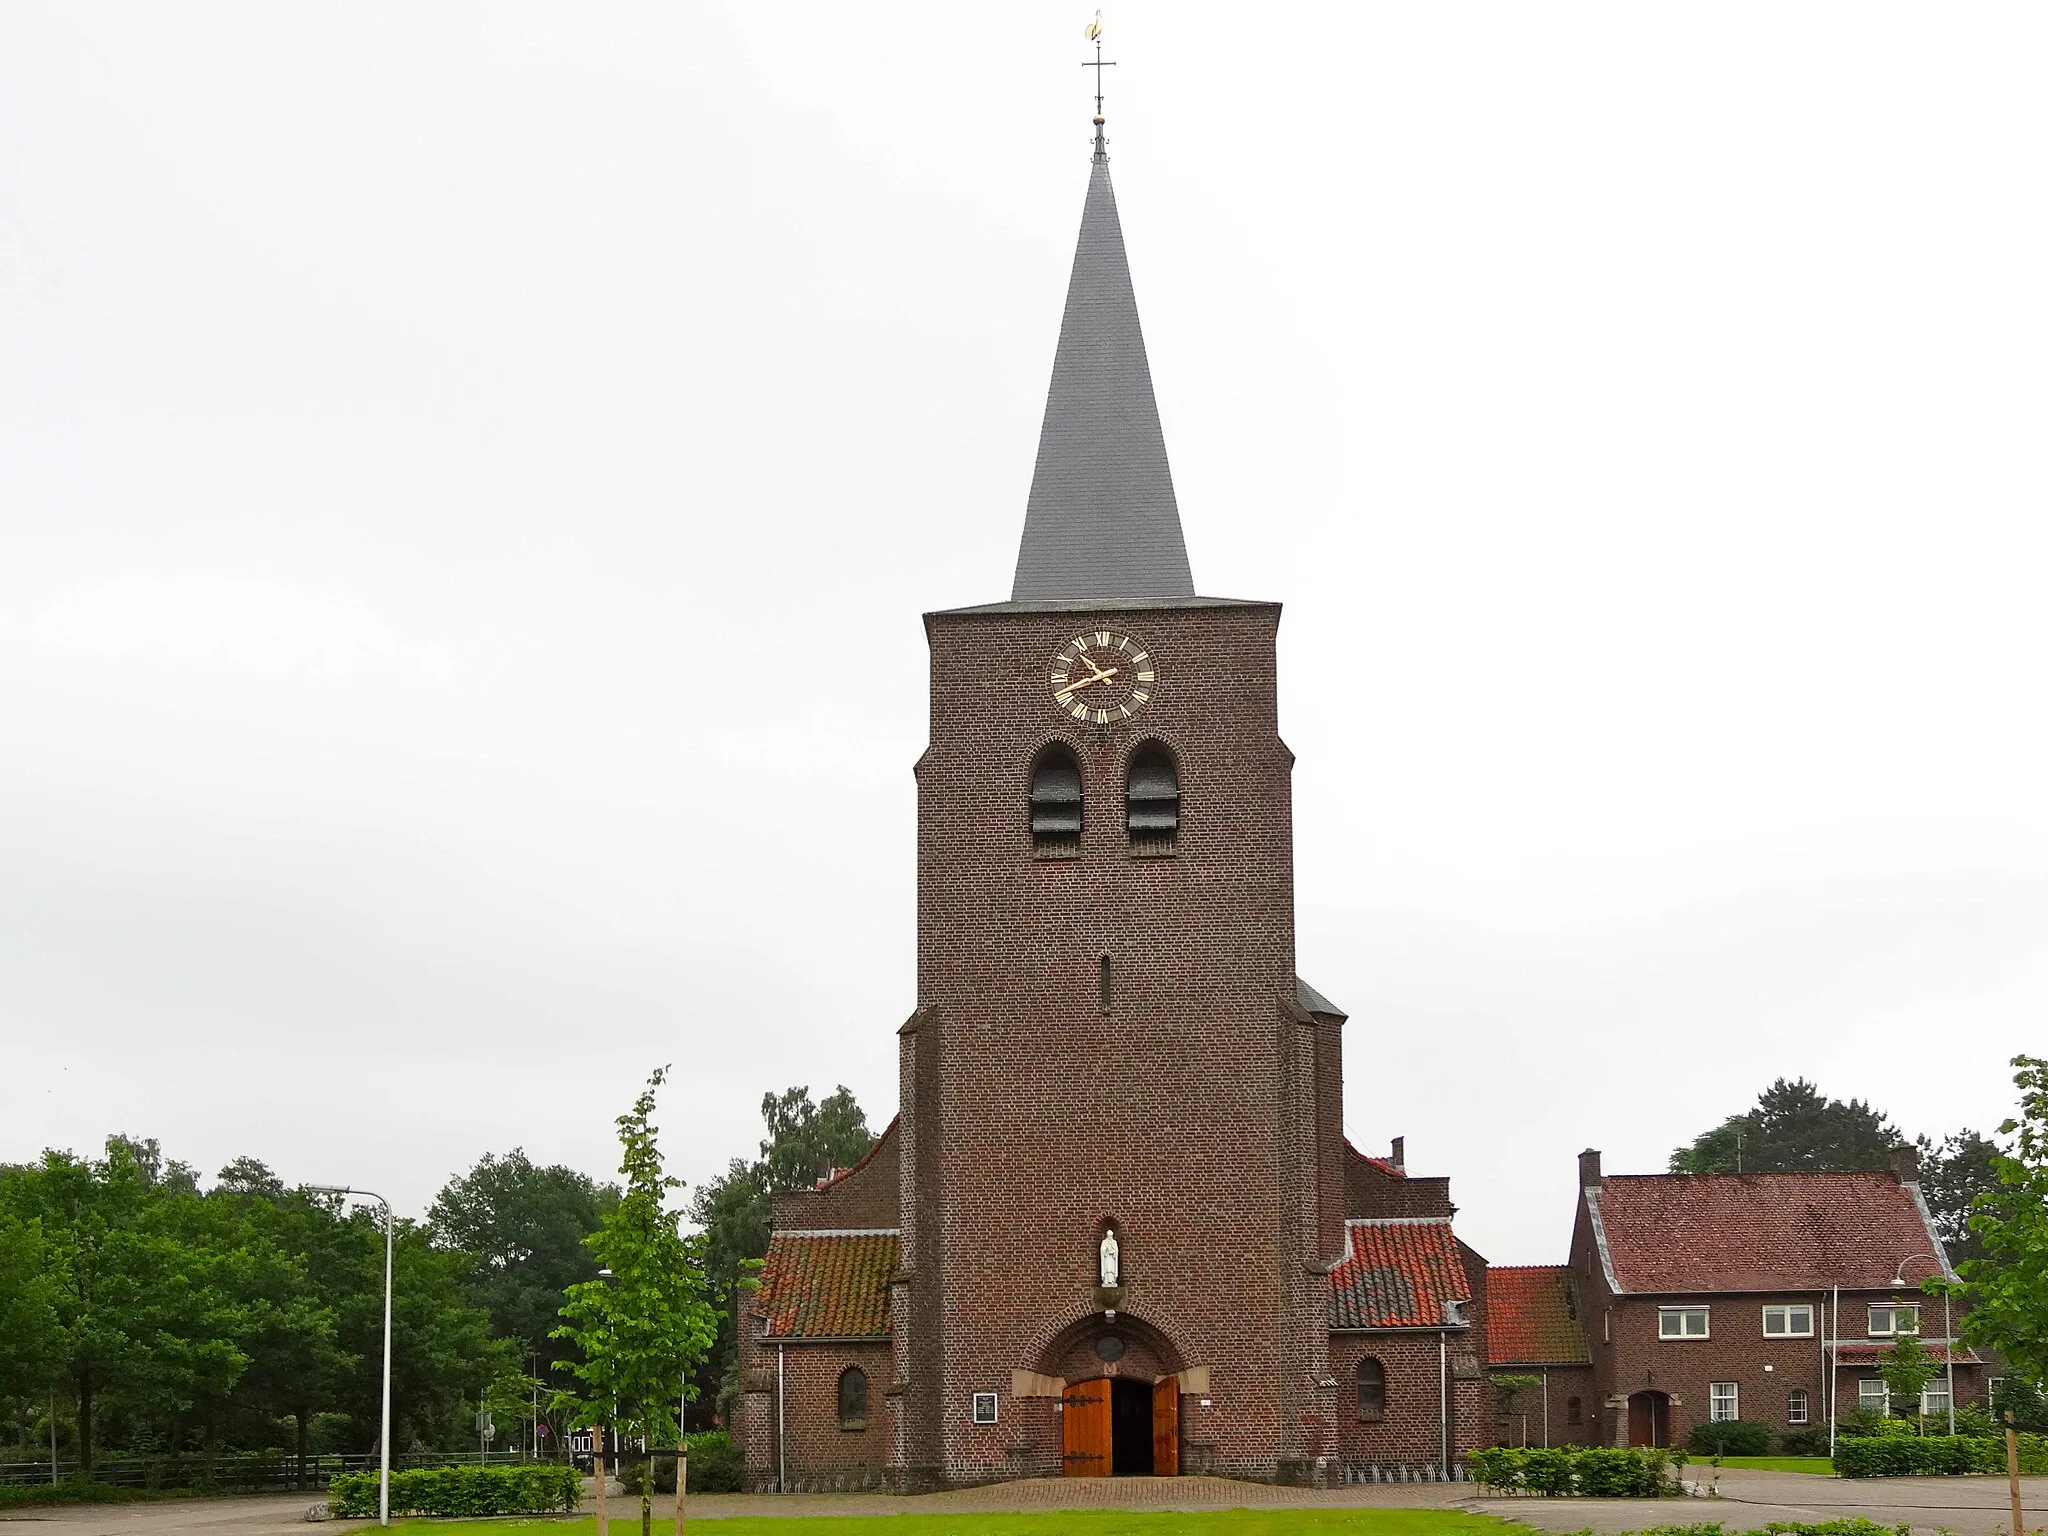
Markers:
327,1189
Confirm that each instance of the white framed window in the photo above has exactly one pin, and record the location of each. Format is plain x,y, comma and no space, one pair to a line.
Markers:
1934,1399
1681,1322
1721,1402
1871,1393
1795,1406
1793,1321
1888,1318
984,1407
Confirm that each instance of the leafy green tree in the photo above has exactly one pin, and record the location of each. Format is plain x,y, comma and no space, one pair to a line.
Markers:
805,1141
644,1326
140,1312
1794,1128
520,1229
30,1343
1907,1367
1953,1173
2007,1288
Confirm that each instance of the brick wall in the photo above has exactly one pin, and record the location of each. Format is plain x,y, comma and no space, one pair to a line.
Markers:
1038,1115
1420,1385
865,1196
815,1451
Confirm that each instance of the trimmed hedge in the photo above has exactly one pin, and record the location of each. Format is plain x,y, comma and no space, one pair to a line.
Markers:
1730,1437
716,1466
1934,1455
1856,1527
1581,1471
71,1491
534,1488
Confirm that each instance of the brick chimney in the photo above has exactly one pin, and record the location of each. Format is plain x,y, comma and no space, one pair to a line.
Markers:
1906,1163
1398,1155
1589,1168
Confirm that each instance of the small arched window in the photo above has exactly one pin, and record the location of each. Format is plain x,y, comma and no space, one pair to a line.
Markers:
853,1398
1574,1410
1372,1391
1152,801
1056,804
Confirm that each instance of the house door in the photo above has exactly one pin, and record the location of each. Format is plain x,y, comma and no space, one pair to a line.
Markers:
1649,1419
1085,1431
1166,1427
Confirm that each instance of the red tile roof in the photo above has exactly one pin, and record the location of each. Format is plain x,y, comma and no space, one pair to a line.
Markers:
1668,1232
1384,1164
832,1285
1866,1354
1400,1272
1531,1316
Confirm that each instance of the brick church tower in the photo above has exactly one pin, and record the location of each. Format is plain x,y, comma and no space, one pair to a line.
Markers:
1116,1226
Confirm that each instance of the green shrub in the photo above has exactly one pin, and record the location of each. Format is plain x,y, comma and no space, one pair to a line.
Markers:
71,1491
1856,1527
533,1488
716,1464
1586,1471
1730,1437
1934,1455
1809,1441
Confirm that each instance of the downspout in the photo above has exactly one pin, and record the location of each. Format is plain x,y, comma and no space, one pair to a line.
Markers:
1443,1401
1546,1407
1832,1359
781,1455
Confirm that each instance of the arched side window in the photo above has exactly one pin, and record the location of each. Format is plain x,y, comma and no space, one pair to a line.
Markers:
1574,1410
1152,801
853,1398
1372,1391
1056,804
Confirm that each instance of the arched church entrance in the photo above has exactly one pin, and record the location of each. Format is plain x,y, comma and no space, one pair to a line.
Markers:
1120,1409
1649,1418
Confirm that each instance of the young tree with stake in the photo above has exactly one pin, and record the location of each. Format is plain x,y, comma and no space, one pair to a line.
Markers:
646,1324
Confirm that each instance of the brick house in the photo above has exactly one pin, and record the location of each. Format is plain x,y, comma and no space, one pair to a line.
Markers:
1116,1226
1765,1297
1534,1328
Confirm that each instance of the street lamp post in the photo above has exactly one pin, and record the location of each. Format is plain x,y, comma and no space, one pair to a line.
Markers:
1948,1328
384,1425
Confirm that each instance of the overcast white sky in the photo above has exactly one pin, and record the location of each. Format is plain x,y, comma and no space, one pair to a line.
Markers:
469,477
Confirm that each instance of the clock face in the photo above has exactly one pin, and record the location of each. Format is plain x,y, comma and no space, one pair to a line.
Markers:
1103,677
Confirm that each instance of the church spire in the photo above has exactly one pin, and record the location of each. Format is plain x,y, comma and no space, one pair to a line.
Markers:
1101,522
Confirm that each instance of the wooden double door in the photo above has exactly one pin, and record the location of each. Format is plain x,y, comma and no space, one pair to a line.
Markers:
1114,1427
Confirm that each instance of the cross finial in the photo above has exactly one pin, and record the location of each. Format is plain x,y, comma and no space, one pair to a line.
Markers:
1098,64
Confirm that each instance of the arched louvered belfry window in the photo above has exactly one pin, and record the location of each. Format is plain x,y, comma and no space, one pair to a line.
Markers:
1152,801
853,1398
1372,1390
1056,804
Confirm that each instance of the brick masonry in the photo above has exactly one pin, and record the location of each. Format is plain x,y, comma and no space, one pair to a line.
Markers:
1199,1114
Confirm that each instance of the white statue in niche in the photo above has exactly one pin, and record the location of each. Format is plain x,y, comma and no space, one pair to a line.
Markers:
1109,1256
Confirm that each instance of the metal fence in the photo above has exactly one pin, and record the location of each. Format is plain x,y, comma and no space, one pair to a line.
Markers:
239,1471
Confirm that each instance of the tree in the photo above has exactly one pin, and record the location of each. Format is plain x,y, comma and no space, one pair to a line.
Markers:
30,1346
643,1328
1952,1175
2007,1288
1907,1367
805,1141
520,1229
1794,1128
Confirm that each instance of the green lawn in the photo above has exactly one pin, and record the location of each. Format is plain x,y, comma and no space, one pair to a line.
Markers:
1815,1464
1048,1522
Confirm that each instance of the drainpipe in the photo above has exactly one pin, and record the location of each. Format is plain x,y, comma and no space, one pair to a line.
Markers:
1546,1407
781,1455
1834,1363
1443,1402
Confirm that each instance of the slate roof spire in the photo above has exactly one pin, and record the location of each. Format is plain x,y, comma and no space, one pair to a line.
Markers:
1101,523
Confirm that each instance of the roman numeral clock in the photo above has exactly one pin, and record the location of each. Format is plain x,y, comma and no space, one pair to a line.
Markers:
1102,677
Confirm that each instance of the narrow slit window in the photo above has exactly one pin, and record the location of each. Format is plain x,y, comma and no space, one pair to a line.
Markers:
1108,985
1056,804
1152,801
1372,1391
